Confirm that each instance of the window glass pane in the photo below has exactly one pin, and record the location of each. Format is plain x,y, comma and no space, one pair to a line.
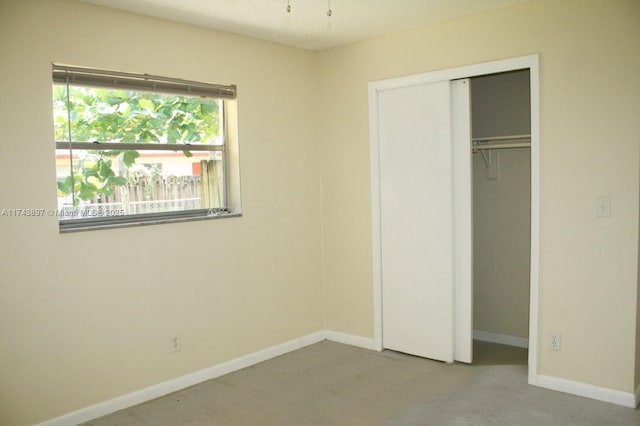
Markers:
60,113
111,183
109,115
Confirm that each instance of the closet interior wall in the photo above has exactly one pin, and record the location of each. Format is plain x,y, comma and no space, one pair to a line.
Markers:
500,106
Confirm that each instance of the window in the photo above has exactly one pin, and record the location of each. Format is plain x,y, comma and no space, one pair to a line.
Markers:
136,149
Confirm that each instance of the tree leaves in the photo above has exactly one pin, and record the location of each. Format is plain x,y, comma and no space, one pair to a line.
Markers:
66,186
117,180
146,104
129,157
108,115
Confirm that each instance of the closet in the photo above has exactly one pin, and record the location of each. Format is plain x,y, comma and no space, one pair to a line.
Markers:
454,204
501,164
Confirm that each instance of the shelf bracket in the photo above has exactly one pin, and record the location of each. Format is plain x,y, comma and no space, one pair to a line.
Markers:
487,157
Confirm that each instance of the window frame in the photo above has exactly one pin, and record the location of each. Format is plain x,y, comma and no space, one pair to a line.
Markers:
97,78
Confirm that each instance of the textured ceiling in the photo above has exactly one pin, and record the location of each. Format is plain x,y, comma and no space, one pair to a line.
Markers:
307,25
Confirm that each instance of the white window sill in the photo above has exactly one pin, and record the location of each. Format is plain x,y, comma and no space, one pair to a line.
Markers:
92,225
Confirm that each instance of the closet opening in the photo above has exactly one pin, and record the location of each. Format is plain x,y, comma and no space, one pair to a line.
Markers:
501,215
458,150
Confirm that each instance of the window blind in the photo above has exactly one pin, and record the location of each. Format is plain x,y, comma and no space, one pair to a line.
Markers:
79,76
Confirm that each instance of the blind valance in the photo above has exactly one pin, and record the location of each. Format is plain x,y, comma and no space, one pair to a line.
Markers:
79,76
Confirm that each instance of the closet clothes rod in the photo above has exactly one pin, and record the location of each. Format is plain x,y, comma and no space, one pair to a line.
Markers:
502,146
478,143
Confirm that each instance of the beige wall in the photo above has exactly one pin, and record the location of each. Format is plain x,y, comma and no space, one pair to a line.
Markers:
501,242
637,376
590,104
72,336
500,106
86,317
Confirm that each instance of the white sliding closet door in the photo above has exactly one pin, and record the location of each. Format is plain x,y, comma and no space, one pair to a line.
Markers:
416,219
420,129
463,220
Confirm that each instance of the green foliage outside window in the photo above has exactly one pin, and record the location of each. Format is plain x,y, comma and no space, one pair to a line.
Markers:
118,116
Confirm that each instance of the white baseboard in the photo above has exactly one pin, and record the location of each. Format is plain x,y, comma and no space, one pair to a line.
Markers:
179,383
503,339
626,399
350,339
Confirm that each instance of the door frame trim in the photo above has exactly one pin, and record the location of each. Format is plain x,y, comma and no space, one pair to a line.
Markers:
530,62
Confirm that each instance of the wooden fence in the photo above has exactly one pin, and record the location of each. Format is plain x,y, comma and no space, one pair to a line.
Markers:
156,194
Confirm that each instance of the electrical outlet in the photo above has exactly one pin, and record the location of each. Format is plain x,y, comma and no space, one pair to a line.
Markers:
554,341
175,344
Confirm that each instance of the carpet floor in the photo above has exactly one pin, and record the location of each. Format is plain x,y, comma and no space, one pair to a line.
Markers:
333,384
